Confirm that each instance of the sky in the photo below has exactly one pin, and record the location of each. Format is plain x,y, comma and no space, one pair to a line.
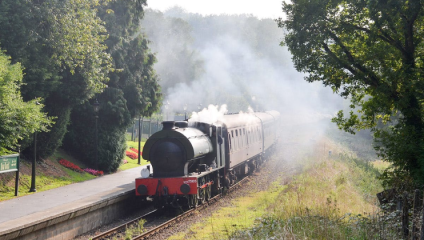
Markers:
260,9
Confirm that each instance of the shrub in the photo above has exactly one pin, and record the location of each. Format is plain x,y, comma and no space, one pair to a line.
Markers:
112,123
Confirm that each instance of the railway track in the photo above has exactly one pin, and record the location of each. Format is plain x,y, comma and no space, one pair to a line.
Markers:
108,234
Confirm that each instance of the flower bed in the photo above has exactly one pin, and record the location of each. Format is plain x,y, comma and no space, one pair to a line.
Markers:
94,172
136,151
124,161
70,165
131,154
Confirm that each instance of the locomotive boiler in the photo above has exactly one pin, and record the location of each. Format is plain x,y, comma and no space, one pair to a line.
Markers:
193,161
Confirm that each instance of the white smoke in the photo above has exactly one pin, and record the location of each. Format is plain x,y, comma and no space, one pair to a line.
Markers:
215,113
243,77
211,114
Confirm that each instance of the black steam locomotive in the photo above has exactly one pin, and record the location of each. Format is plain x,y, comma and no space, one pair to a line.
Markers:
193,161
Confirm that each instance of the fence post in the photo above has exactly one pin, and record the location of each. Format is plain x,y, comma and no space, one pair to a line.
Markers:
405,217
150,127
157,125
132,131
140,131
142,128
415,219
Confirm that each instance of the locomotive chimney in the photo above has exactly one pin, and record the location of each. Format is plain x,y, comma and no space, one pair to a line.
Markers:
181,124
168,125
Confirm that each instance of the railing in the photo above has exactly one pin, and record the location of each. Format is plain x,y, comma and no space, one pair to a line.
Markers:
148,126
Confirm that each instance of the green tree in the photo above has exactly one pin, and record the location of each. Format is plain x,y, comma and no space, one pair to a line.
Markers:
132,91
372,52
18,119
60,45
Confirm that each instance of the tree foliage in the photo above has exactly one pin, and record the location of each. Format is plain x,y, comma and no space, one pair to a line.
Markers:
133,89
113,120
60,44
372,52
18,119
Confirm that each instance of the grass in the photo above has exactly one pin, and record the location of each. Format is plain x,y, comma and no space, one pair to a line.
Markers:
45,181
334,198
132,163
228,220
381,165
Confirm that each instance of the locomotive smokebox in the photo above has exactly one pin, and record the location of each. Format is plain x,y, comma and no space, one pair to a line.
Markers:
168,125
174,150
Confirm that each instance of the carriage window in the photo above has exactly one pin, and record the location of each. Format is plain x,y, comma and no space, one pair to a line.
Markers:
229,142
233,140
236,143
244,137
247,137
241,138
237,139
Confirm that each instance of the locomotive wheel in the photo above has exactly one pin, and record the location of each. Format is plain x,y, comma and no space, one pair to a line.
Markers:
193,201
201,196
208,192
216,189
202,192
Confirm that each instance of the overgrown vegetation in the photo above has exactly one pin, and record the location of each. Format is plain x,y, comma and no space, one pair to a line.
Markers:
333,198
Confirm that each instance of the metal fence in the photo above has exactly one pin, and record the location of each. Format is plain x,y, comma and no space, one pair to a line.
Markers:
148,127
405,212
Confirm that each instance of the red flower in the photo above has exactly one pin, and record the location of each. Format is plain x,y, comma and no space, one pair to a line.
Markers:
136,151
131,154
70,165
94,172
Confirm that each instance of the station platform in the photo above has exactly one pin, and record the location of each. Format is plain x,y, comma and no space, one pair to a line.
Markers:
32,213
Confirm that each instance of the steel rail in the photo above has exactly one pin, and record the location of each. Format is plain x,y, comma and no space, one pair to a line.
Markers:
121,227
186,214
168,223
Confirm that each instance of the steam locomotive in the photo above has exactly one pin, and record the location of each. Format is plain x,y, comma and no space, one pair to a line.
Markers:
193,161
